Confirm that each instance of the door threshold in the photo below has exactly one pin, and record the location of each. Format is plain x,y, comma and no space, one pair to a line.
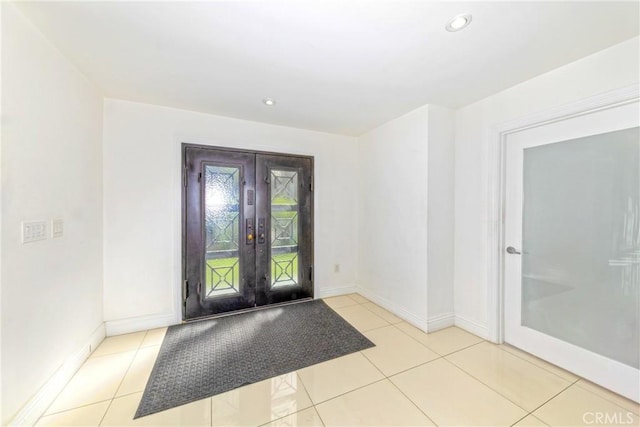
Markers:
246,310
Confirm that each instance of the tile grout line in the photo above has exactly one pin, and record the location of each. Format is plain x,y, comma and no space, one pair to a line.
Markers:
364,303
541,367
132,392
415,339
487,385
637,413
374,365
388,378
347,392
528,415
94,356
105,412
338,296
127,394
123,377
399,372
464,348
505,397
319,416
571,382
549,400
370,312
412,402
574,382
413,367
92,403
313,405
304,387
284,416
342,306
369,330
71,409
385,377
417,366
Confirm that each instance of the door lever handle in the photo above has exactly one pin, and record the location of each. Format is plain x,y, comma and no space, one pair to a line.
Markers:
511,250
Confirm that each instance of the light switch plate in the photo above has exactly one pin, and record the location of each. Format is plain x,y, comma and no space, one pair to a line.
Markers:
57,227
32,231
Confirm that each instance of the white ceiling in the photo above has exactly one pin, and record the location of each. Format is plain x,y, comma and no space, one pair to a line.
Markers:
337,66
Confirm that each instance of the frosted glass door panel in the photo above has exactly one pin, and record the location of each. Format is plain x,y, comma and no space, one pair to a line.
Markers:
572,244
581,243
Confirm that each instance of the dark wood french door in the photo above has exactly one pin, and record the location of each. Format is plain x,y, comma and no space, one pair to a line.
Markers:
247,230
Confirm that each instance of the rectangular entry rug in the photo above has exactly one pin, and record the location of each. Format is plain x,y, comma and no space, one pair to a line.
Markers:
205,358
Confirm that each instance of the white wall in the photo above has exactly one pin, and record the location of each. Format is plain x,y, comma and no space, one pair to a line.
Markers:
51,168
440,217
392,250
405,252
1,119
142,197
606,70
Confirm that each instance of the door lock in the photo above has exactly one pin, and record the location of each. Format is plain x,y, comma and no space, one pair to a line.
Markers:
511,250
249,231
261,231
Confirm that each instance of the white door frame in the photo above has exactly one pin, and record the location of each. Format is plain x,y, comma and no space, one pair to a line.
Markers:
495,244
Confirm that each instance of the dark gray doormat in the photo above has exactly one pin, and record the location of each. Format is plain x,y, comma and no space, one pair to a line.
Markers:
209,357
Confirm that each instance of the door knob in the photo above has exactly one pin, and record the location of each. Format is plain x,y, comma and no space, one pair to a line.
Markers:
511,250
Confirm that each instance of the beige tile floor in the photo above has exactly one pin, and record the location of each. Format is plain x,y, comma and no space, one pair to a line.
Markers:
446,378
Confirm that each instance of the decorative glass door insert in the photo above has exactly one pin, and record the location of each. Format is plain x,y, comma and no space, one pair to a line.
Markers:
222,230
284,228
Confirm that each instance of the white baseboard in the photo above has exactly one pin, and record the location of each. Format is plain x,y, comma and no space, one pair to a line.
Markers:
37,406
332,292
142,323
395,308
440,321
471,326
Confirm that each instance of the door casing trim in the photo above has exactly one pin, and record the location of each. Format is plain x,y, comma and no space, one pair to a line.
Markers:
495,243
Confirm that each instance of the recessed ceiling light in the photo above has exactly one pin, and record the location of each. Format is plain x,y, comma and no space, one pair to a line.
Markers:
458,22
270,102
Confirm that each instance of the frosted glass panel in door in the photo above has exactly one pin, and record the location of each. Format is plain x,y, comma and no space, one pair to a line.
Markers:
581,243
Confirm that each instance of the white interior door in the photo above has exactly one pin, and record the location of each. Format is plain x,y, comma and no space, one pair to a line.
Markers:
572,242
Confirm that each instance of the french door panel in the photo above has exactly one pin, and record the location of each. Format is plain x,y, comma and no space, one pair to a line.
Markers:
247,230
284,215
572,224
219,255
